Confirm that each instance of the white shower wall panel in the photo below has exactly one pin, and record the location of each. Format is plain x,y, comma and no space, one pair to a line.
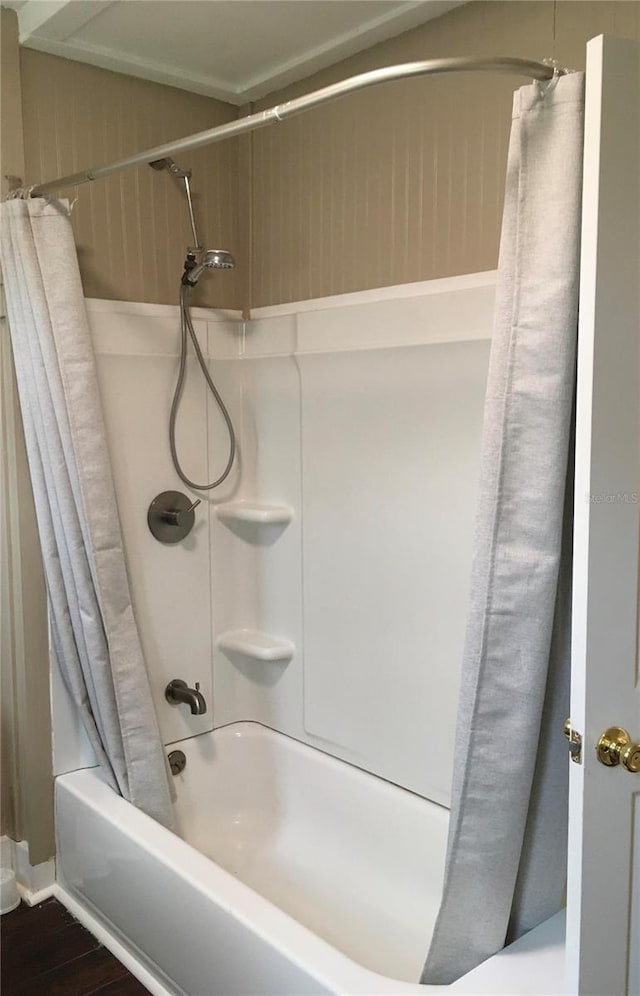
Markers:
263,591
391,440
364,415
137,353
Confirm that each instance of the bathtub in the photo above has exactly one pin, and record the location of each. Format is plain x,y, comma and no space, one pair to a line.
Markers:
293,874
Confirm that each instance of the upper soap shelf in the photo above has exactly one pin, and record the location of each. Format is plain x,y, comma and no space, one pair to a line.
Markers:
247,511
256,645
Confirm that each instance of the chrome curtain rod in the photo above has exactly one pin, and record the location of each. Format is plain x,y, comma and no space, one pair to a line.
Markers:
432,67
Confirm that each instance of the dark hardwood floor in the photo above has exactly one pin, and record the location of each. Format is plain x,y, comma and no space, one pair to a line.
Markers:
46,952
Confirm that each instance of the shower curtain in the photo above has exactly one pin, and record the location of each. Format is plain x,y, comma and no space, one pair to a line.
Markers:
506,857
93,628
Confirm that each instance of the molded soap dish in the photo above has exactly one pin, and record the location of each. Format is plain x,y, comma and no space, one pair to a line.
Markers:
257,646
247,511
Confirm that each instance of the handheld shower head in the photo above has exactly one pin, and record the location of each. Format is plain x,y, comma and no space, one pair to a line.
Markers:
214,259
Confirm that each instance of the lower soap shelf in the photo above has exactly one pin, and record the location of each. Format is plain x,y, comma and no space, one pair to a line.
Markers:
255,645
254,513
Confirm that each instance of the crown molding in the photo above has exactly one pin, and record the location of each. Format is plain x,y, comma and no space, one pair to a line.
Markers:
49,26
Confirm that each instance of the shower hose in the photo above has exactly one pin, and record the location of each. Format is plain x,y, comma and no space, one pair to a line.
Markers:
186,326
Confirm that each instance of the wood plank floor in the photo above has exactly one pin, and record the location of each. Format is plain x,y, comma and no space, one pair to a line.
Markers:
46,952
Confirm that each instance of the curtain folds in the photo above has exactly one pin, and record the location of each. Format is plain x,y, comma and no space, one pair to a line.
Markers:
93,627
506,858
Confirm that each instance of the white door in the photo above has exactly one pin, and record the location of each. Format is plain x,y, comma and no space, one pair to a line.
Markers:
603,926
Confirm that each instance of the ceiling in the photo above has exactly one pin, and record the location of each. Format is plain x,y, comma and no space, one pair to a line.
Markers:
235,50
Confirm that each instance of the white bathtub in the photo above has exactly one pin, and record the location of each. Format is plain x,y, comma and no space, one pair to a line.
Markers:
297,874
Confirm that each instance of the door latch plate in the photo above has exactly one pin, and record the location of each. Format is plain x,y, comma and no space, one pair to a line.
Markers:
575,742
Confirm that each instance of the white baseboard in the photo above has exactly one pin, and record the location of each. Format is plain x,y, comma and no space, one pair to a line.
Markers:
102,933
35,882
32,898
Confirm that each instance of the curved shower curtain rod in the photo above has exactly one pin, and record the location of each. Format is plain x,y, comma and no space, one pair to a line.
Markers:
431,67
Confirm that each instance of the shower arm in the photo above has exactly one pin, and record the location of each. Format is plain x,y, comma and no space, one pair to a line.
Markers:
539,71
192,218
185,175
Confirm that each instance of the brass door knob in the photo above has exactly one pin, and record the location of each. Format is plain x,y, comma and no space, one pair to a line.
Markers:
615,747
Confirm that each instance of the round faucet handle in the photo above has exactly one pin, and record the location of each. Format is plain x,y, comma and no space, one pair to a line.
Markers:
173,515
170,516
182,511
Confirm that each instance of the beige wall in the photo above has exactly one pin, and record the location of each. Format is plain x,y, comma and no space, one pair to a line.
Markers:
11,145
27,777
132,229
400,183
26,803
404,182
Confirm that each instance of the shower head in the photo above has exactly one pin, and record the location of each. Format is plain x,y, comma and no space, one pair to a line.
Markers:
214,259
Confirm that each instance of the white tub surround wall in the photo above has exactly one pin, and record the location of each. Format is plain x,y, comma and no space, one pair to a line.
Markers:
136,353
328,578
363,415
70,744
257,598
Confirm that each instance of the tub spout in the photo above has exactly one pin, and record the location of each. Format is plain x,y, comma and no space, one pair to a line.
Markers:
178,691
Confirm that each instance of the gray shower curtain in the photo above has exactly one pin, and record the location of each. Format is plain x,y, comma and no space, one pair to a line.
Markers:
506,857
93,628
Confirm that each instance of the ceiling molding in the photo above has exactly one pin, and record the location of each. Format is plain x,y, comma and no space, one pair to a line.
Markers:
321,56
52,26
60,18
145,69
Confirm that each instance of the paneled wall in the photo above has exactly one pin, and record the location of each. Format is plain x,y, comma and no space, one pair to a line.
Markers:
26,801
132,229
396,184
405,182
